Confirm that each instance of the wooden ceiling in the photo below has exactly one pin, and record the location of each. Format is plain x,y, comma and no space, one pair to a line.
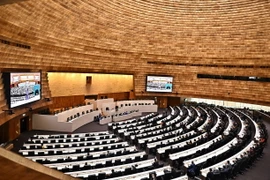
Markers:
123,36
186,31
183,38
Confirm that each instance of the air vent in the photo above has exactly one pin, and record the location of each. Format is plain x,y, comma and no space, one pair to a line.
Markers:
205,65
19,45
238,78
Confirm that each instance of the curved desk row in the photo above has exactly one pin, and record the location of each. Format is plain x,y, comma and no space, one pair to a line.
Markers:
135,111
51,122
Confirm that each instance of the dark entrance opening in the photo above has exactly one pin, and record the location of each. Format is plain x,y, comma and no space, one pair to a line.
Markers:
24,124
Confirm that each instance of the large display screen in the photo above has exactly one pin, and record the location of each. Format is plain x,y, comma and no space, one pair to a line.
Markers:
24,88
159,83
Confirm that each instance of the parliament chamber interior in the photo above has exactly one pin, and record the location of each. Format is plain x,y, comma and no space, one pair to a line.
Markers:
143,90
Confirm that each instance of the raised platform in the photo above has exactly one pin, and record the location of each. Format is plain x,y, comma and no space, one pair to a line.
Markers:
72,119
51,123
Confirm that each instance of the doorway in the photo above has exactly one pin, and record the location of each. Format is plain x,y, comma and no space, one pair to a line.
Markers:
162,102
24,124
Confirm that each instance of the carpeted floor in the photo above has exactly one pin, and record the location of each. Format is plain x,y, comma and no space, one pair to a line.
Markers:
259,171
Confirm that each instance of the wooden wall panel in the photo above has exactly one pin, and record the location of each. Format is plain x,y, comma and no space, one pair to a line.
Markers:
174,101
66,101
46,92
186,84
116,96
162,102
14,128
132,95
4,132
2,96
69,84
11,129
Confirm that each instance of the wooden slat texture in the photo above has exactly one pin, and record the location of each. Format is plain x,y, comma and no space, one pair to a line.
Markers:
123,36
2,94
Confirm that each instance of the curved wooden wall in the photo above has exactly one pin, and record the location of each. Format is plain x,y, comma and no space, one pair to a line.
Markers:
125,36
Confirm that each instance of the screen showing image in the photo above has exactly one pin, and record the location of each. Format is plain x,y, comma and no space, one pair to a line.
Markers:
24,88
159,84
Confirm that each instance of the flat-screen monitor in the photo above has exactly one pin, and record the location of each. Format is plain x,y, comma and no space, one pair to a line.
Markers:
22,87
159,83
